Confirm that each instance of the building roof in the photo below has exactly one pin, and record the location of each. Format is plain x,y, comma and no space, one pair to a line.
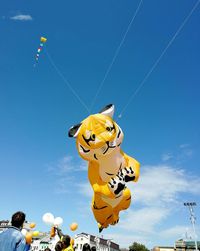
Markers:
4,223
187,243
102,241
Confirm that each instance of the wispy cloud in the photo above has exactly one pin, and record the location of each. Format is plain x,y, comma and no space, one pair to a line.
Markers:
65,165
63,185
22,17
178,231
155,198
157,188
186,150
183,153
166,156
184,145
163,184
85,189
65,172
144,220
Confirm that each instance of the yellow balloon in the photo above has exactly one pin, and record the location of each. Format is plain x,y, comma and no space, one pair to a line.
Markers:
32,225
73,226
72,242
36,233
29,238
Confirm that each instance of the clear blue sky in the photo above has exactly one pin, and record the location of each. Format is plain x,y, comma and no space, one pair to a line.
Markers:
40,167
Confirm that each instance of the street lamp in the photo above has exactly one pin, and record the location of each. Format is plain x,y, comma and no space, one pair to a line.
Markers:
190,205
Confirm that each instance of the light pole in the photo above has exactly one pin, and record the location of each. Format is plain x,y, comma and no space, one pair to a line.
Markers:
190,205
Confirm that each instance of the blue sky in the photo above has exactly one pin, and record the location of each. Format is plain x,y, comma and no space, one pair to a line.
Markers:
40,167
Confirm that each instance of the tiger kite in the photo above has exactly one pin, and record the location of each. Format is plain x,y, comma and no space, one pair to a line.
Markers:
98,140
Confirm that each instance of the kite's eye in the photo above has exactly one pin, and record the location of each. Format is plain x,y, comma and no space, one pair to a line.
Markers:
93,136
109,128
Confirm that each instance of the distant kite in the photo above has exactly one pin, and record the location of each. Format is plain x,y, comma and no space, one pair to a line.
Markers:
42,41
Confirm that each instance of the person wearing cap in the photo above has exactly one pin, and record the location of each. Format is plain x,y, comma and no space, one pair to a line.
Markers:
12,239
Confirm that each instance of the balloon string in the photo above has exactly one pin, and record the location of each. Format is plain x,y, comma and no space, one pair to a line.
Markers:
66,81
115,56
158,60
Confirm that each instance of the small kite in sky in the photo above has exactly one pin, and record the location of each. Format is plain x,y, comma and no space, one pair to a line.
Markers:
42,42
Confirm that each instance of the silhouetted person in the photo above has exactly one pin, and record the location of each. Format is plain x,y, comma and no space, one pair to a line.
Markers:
65,242
93,248
12,239
59,246
86,247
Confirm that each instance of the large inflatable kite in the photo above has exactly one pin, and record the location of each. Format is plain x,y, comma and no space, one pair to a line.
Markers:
98,140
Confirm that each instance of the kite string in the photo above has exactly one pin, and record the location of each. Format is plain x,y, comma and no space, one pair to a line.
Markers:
115,55
66,81
158,60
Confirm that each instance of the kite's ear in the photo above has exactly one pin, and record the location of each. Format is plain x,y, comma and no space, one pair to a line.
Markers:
108,110
73,131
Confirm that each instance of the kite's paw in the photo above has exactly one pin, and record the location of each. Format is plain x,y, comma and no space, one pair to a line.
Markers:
115,222
117,184
128,174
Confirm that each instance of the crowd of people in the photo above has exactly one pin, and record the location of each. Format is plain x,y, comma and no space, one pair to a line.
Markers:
12,238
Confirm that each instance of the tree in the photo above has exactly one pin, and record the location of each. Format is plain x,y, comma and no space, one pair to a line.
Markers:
138,247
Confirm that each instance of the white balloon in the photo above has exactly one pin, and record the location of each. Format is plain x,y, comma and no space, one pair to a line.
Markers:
48,218
24,231
58,221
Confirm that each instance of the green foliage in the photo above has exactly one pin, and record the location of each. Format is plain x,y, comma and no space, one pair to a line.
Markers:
137,247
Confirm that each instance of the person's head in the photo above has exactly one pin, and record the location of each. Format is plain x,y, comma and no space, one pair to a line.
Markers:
93,248
18,219
47,249
59,246
66,241
86,247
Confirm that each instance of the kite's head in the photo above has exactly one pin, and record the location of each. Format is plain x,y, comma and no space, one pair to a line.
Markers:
97,135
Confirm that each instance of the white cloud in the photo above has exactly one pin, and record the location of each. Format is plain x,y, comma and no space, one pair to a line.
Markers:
152,206
184,146
65,171
182,154
83,166
66,165
152,197
22,17
163,184
170,235
175,231
144,220
166,156
179,232
85,189
63,185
